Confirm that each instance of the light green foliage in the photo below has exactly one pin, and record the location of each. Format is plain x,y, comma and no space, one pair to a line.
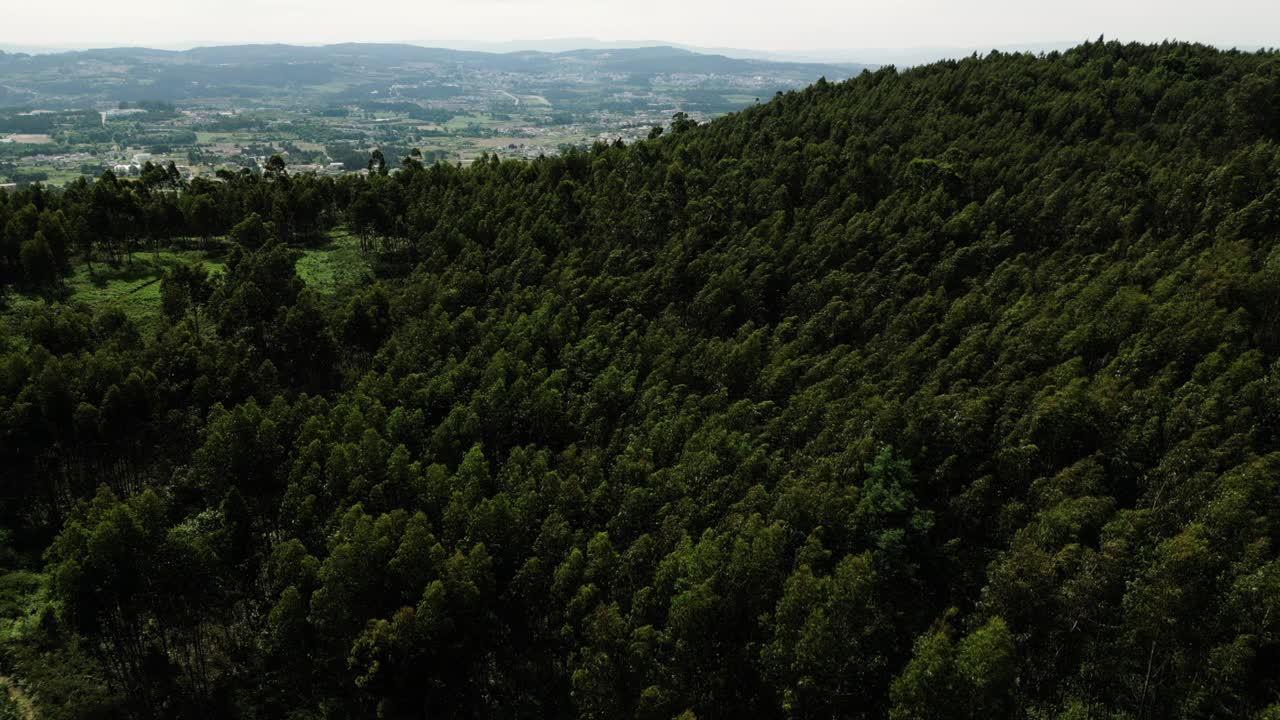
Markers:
335,267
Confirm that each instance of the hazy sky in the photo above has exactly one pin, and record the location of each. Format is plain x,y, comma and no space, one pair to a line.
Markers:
758,24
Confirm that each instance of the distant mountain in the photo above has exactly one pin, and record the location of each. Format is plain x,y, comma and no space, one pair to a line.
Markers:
32,49
558,45
262,71
901,56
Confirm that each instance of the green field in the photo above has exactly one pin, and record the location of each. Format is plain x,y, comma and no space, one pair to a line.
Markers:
133,287
213,138
334,265
462,122
57,177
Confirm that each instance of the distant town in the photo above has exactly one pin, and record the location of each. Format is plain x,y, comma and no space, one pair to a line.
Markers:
325,109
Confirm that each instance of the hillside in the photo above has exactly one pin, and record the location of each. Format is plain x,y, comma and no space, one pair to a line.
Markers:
949,393
317,75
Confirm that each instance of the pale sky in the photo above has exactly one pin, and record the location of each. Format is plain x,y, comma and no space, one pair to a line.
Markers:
792,25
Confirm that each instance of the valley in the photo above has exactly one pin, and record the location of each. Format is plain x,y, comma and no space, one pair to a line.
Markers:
76,114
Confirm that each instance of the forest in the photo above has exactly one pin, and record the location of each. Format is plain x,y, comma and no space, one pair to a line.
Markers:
943,393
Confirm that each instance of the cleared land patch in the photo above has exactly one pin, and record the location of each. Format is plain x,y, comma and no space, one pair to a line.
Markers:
31,138
133,286
334,265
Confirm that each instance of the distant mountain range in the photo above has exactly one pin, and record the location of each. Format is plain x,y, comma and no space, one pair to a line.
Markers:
901,56
262,71
905,56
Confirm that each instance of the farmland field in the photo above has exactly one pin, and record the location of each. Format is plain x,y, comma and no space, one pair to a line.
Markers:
31,138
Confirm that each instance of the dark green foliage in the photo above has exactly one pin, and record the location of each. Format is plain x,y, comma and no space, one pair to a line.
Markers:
184,290
251,232
939,394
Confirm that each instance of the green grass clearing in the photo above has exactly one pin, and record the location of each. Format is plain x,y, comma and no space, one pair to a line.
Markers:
335,265
133,287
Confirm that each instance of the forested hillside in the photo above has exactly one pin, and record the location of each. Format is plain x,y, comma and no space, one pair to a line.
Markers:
949,393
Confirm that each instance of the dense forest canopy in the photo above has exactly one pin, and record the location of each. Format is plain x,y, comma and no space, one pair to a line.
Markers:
949,393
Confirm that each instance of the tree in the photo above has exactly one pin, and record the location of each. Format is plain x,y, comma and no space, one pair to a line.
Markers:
276,168
377,162
184,290
201,213
971,679
831,643
39,265
251,233
53,225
